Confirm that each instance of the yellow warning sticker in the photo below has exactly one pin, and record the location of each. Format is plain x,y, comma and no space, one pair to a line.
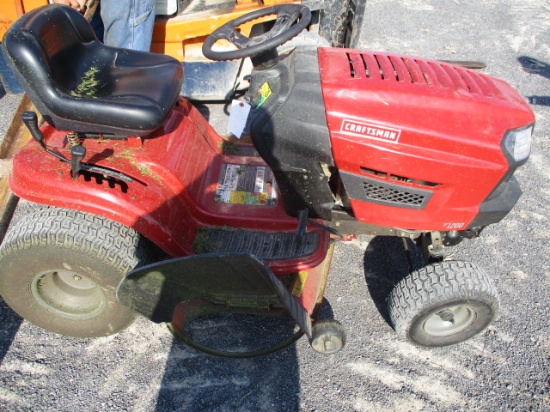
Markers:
265,92
237,197
300,284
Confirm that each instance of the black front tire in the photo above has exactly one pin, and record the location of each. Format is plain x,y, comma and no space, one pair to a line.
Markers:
60,269
443,304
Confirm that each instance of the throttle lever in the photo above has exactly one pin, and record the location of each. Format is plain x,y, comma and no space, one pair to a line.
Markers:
77,155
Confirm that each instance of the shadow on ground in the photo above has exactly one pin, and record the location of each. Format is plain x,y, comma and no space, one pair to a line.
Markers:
386,263
195,381
538,67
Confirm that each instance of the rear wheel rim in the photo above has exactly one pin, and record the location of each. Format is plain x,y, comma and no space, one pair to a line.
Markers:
450,320
68,294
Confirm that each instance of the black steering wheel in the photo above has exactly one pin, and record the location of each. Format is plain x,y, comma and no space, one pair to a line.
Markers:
291,20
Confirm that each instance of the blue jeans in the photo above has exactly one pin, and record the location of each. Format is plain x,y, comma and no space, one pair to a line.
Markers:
128,23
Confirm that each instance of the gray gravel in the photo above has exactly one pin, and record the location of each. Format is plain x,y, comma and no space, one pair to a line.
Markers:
507,368
8,104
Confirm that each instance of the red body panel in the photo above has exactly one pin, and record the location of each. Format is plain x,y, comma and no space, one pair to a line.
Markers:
422,125
176,171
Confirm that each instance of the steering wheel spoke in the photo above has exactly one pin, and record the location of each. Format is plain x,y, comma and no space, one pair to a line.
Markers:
291,20
284,22
239,40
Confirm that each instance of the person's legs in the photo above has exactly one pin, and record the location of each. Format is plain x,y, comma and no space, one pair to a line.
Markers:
97,23
128,23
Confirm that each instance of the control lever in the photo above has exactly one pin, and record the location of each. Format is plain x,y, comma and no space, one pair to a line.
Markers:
300,232
77,152
77,155
304,220
31,121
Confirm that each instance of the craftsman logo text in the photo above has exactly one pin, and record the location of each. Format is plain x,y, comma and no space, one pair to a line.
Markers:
370,130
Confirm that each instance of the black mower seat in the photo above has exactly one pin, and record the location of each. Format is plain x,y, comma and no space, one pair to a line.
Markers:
79,84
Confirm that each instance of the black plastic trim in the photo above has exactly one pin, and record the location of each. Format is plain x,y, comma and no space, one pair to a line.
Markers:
505,195
499,203
290,132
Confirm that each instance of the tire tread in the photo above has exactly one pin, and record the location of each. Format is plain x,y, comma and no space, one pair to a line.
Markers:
106,240
438,283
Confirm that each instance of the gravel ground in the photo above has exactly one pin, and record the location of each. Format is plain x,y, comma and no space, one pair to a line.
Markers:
8,104
506,368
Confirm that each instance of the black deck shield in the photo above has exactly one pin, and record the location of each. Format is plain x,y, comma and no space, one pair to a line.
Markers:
290,132
229,281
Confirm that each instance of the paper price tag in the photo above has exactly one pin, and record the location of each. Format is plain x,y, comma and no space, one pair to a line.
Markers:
238,117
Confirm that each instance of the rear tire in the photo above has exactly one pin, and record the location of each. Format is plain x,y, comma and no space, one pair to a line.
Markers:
443,304
60,269
334,23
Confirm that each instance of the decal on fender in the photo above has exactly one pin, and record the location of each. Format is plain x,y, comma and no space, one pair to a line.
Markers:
454,225
246,185
265,93
370,131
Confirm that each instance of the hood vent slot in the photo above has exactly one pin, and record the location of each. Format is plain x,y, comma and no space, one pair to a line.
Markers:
397,178
403,69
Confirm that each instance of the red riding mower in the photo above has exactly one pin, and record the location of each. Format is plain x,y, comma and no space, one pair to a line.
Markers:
341,142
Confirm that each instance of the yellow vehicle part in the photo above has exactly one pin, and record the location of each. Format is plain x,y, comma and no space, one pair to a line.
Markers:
182,36
10,10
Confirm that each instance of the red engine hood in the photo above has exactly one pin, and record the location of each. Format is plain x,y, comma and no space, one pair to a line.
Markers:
419,120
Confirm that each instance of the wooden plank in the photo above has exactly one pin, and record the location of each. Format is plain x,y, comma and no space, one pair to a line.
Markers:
5,167
16,136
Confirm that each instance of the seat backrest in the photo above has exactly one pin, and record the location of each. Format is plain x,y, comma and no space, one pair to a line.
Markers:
79,84
41,44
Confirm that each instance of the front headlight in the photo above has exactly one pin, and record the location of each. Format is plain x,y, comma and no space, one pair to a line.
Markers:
517,144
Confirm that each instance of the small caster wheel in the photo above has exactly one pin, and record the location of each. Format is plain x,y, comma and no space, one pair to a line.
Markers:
328,336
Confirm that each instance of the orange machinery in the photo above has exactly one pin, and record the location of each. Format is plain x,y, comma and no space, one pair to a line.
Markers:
180,29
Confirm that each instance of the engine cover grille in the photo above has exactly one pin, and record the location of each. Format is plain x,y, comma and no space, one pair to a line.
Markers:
376,191
390,194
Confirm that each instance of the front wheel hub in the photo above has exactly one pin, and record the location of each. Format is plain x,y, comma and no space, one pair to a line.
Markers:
450,320
67,293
